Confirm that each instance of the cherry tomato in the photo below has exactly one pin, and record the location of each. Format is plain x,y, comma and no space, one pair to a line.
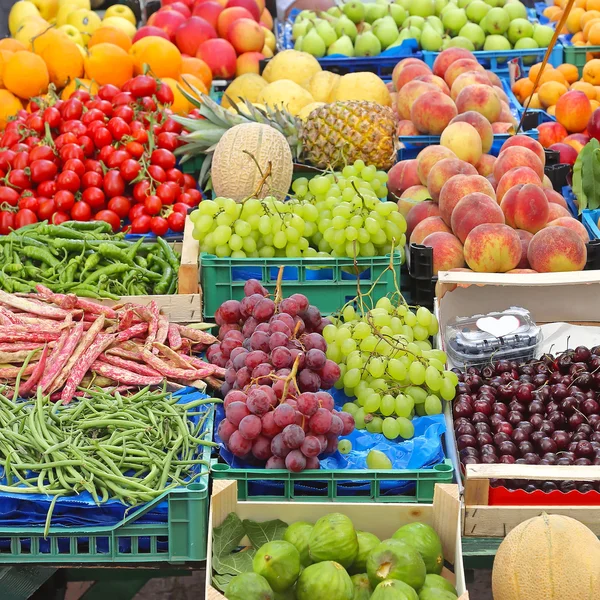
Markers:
21,160
42,152
6,158
135,149
59,217
108,91
64,200
95,114
68,180
93,126
181,207
19,179
163,158
138,132
143,85
117,158
93,165
166,193
25,217
94,197
129,169
43,170
157,173
148,104
106,107
65,138
118,128
105,153
120,205
10,137
189,183
8,195
102,137
168,141
36,123
122,98
72,109
114,185
47,189
141,224
76,127
32,141
109,217
164,94
141,190
195,195
52,116
47,209
91,179
87,145
175,176
137,210
7,222
176,222
170,126
82,95
75,164
29,202
153,205
159,226
20,147
124,112
81,211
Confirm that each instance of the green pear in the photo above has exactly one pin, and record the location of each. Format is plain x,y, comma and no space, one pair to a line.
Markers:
386,31
461,42
405,4
306,14
476,10
440,5
365,27
313,44
462,3
300,29
493,3
414,22
342,46
495,43
327,32
454,20
525,43
431,39
436,23
334,11
518,29
345,26
497,21
410,33
367,44
422,8
354,10
542,34
398,13
374,12
298,44
474,34
515,10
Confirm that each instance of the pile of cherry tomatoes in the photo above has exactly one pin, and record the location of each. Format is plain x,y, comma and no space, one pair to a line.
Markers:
108,157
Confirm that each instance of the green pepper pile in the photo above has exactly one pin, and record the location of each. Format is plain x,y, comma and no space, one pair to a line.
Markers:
86,259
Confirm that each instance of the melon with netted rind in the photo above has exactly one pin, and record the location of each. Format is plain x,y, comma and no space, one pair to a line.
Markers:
333,537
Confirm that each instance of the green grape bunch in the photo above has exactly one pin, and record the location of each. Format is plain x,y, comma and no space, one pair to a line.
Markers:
388,364
336,214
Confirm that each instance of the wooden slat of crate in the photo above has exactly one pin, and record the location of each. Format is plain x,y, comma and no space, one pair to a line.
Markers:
381,519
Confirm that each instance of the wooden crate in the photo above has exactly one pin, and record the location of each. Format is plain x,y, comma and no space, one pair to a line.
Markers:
483,520
381,519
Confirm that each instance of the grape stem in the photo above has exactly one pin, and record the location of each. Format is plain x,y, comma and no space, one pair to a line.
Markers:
290,377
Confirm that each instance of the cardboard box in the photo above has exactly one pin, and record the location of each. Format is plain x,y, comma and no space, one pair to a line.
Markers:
381,519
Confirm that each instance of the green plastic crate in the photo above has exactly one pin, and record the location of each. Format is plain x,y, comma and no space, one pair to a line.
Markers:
424,480
192,167
576,55
181,539
223,279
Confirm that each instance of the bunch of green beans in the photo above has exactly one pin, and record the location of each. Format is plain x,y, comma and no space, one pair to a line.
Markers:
129,448
86,259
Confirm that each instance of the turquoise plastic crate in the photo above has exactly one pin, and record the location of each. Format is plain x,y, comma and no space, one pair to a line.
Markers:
590,220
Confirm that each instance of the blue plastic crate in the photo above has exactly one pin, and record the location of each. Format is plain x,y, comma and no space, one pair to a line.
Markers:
569,196
539,8
497,61
589,218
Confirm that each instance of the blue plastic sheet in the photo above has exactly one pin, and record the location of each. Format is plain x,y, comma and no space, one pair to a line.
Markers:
423,451
81,510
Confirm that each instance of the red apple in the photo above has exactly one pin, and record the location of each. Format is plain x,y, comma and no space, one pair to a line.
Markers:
568,154
192,33
209,11
220,56
246,35
593,126
179,7
168,20
228,16
249,5
149,30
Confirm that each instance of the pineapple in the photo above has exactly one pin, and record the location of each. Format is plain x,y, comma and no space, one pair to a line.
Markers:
332,135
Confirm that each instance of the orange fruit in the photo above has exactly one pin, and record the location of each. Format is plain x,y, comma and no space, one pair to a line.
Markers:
180,105
523,88
593,5
574,19
11,44
108,63
188,81
10,105
64,62
110,35
533,71
26,75
591,75
550,92
45,39
162,57
587,88
569,72
197,67
4,56
76,84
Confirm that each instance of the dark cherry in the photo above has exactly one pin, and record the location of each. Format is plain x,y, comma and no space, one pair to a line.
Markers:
536,437
559,391
501,437
505,428
487,389
548,445
564,460
473,371
575,420
576,368
482,428
461,421
585,428
549,486
537,407
465,429
583,462
500,409
462,388
483,406
484,438
515,405
525,378
561,439
580,436
572,447
489,459
505,392
547,428
567,381
496,419
581,354
555,377
468,451
595,437
502,366
480,418
515,418
519,435
526,426
585,487
463,398
584,380
471,460
508,448
526,448
507,459
539,380
536,420
567,486
593,419
568,405
552,407
550,457
488,449
564,363
584,449
507,377
488,371
466,440
590,407
530,488
462,409
543,394
557,419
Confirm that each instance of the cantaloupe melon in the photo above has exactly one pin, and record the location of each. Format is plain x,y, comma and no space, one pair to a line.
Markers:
239,154
549,557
